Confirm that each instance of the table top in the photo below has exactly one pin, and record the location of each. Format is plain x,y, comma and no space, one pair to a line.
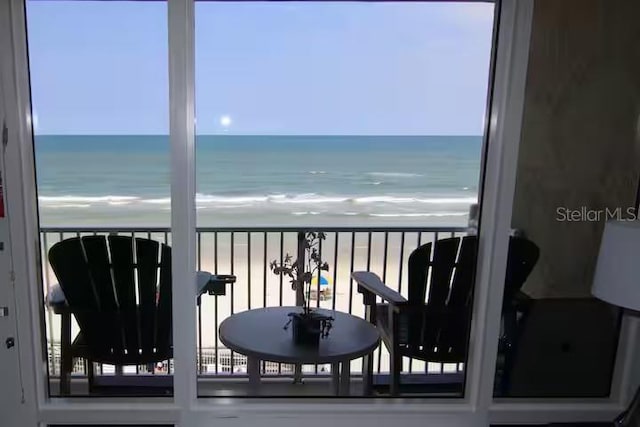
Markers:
260,333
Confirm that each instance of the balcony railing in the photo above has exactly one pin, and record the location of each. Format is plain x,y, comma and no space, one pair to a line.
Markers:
247,252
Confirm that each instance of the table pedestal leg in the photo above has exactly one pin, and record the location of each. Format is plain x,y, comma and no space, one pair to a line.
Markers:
253,369
345,378
297,374
335,378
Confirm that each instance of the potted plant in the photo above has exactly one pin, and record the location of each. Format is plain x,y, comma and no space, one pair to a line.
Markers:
308,326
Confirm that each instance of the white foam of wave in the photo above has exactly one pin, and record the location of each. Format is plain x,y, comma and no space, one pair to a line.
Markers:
395,174
317,172
87,199
217,201
421,214
246,205
312,199
305,213
209,198
400,200
384,199
449,200
69,205
160,201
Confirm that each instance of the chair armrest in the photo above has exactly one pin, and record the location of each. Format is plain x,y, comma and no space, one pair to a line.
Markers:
370,282
213,284
202,279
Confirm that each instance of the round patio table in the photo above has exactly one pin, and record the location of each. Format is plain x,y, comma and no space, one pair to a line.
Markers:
260,335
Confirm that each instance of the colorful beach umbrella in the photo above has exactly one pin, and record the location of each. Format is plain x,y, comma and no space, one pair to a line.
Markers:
324,281
325,289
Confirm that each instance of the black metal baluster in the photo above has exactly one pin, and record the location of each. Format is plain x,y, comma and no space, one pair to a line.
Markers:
281,284
401,262
368,266
264,271
232,272
384,280
318,287
334,291
353,248
199,247
264,282
281,261
215,301
418,241
319,277
249,270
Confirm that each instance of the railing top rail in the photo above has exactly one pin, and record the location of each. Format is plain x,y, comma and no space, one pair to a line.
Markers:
142,229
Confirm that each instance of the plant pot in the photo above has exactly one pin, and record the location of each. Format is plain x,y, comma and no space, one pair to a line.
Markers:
306,329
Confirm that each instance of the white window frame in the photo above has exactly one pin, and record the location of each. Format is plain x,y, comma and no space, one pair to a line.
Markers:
185,409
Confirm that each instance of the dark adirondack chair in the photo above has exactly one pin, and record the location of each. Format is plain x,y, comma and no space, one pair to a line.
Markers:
522,258
119,290
435,330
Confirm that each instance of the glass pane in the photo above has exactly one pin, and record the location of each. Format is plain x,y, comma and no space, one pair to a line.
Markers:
99,85
574,172
362,121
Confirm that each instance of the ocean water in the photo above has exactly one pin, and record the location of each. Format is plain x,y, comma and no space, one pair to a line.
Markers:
124,180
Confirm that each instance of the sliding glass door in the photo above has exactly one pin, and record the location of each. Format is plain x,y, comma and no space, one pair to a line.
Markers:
353,128
100,108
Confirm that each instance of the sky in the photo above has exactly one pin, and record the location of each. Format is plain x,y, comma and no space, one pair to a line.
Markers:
293,68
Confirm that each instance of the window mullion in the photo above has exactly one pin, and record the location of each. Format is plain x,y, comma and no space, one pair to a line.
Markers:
181,98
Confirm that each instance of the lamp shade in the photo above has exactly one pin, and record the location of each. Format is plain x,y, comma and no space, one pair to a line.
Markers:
617,276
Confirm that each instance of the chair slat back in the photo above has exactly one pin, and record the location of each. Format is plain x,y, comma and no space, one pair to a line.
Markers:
108,325
123,269
418,271
119,290
164,325
454,330
147,256
442,265
442,327
463,278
